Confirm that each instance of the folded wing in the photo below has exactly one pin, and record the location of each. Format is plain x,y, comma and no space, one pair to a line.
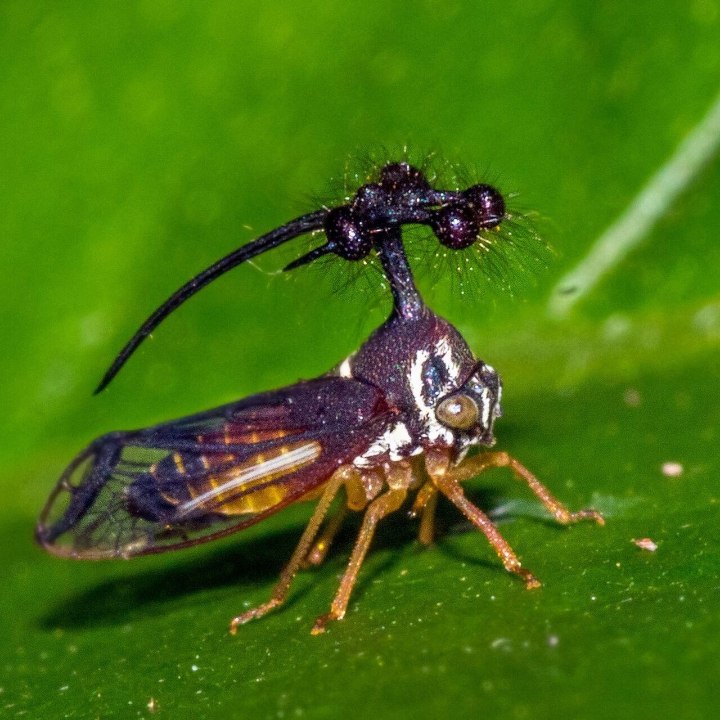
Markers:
188,481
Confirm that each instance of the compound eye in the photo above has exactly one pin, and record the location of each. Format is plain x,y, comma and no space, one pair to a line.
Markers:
488,205
459,412
455,226
345,235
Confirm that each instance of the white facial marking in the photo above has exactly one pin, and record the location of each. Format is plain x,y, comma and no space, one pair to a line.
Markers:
486,402
436,432
416,378
445,351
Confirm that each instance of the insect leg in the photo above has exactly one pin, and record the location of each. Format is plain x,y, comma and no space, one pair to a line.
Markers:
426,533
450,487
424,505
477,464
338,478
357,487
377,510
320,547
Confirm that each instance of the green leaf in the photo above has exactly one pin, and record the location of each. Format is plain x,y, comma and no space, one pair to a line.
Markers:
141,141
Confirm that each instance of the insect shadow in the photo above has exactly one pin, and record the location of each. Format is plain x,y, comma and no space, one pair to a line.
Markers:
254,563
119,600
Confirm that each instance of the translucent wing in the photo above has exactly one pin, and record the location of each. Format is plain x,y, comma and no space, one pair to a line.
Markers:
188,481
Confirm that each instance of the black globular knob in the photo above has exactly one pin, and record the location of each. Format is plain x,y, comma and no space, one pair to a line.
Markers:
488,205
455,226
369,199
345,235
403,176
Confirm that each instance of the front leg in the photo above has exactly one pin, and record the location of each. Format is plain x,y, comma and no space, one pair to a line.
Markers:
425,505
452,490
474,466
447,479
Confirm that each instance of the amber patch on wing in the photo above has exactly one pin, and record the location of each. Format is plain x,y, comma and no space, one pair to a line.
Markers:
249,486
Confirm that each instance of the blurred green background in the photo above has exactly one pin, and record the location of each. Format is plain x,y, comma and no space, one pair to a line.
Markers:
141,141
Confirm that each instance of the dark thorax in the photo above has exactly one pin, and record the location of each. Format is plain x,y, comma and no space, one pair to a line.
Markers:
422,364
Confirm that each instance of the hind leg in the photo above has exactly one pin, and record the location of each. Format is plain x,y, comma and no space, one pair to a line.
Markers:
344,475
